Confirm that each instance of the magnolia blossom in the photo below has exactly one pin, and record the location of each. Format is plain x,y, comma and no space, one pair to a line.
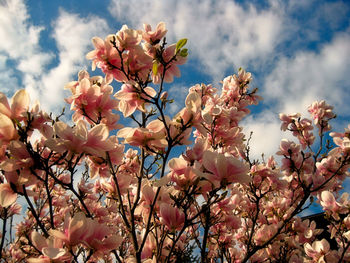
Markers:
79,229
321,112
50,248
7,196
9,112
320,252
153,37
19,105
106,57
7,130
181,173
225,169
172,60
171,216
89,197
92,101
342,140
153,136
78,139
132,97
128,38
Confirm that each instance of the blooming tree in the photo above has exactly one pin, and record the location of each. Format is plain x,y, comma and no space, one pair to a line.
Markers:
96,191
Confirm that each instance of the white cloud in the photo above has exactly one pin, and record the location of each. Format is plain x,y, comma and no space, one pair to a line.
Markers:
296,82
72,34
266,136
269,40
8,81
19,45
222,34
178,93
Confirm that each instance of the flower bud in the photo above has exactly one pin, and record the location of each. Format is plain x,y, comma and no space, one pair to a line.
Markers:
164,96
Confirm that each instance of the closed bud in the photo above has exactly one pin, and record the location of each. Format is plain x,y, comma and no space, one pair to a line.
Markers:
164,96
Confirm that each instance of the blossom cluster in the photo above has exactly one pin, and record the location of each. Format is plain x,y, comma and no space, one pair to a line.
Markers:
97,191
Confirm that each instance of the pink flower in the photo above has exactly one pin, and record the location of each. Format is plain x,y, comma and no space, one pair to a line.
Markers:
153,136
181,173
20,157
79,139
342,140
171,216
321,113
154,37
51,249
91,99
131,98
265,232
101,239
320,251
19,105
128,38
82,230
98,165
106,57
7,195
139,63
7,130
328,201
225,169
75,229
172,70
287,119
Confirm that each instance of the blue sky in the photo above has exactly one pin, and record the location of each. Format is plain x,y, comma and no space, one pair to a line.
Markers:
297,50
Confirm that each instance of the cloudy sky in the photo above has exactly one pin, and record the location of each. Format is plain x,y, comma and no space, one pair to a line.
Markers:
298,50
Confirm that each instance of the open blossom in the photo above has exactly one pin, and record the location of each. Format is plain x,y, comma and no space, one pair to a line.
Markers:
306,229
181,173
7,131
21,157
19,105
128,38
265,232
294,158
321,113
102,238
131,97
91,100
79,139
172,61
75,230
9,112
106,57
7,195
171,216
327,200
139,63
154,37
331,205
153,136
320,252
51,248
82,230
342,140
224,169
287,120
98,165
